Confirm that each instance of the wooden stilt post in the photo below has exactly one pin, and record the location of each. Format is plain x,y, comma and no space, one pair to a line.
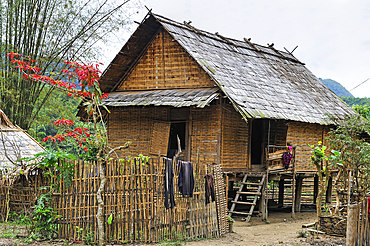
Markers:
227,190
281,192
264,198
298,193
293,195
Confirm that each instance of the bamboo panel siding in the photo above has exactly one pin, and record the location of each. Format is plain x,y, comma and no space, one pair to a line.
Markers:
137,124
134,198
206,132
160,133
235,133
301,135
220,194
166,65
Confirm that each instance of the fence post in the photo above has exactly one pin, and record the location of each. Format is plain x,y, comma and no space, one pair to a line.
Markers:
352,219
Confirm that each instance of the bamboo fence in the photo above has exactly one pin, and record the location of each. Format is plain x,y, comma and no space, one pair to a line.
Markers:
134,204
358,224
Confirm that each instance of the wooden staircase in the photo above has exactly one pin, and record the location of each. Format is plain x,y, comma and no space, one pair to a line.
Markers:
250,189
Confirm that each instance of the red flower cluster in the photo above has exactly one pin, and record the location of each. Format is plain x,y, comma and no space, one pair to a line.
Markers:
81,135
86,75
63,122
88,86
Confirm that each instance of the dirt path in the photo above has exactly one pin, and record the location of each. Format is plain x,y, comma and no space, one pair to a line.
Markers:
282,230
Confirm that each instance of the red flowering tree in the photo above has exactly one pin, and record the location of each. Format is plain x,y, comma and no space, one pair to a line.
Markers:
78,80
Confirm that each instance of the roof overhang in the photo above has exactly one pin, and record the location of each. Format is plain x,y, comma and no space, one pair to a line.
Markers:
199,97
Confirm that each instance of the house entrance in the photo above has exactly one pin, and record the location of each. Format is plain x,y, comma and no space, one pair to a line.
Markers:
176,129
258,141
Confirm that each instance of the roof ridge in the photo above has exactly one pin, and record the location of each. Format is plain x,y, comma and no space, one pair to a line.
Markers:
227,40
4,120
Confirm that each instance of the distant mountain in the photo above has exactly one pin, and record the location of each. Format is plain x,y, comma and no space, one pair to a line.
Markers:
337,88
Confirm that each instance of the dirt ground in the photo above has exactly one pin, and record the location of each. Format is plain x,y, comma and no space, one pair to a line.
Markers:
281,230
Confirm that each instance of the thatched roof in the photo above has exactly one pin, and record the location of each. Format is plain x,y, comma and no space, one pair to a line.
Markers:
260,81
199,97
15,144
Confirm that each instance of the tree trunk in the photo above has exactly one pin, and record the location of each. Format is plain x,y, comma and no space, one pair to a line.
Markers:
99,196
322,189
335,187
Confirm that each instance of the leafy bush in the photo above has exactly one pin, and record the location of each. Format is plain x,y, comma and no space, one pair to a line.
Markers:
44,219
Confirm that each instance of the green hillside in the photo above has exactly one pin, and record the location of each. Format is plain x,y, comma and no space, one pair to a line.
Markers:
357,101
337,88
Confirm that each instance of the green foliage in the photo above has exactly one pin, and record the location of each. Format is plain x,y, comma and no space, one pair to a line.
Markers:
355,151
356,100
44,219
363,110
230,219
86,237
337,88
319,155
20,219
110,219
303,233
57,105
54,160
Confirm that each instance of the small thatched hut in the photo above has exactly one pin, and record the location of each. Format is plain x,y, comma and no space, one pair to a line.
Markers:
17,182
15,144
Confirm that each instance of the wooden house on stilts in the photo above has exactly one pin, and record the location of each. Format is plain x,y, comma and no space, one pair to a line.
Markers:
238,102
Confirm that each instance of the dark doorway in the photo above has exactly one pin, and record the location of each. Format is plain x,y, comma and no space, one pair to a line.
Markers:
177,129
258,141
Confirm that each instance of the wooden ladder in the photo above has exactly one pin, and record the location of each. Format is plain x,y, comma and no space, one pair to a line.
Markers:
256,194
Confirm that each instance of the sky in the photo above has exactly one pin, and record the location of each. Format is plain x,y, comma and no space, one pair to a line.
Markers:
333,36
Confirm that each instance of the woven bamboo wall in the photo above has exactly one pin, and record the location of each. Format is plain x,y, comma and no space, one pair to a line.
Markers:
148,130
235,133
301,135
166,65
206,133
136,124
134,196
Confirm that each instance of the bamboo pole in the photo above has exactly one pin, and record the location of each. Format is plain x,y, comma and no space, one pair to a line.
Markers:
352,219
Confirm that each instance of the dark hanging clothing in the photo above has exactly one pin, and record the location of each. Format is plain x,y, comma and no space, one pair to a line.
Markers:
287,156
210,189
168,184
186,178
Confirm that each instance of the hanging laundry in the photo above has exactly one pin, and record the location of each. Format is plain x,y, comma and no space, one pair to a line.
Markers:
186,178
168,184
210,190
287,157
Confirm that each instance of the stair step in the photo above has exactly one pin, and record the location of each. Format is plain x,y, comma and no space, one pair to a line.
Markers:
249,193
246,203
249,183
235,212
249,188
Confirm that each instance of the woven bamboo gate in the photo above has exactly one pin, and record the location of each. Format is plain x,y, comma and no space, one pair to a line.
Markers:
134,200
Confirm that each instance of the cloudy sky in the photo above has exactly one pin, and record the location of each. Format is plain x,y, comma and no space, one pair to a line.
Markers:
333,36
